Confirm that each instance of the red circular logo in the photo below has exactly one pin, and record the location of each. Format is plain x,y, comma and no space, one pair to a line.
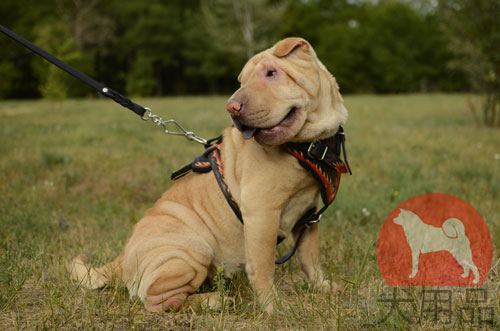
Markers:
434,239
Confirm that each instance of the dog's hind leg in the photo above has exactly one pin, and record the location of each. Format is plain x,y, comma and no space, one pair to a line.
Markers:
466,271
177,301
211,299
470,266
465,261
476,273
178,280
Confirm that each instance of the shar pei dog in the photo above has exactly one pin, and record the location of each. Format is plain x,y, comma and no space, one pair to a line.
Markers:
286,96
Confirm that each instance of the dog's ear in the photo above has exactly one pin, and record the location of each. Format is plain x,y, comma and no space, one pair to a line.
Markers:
288,45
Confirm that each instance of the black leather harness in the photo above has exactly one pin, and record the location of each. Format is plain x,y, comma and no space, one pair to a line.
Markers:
320,158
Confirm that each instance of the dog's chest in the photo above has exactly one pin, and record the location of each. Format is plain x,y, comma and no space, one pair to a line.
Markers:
296,206
299,203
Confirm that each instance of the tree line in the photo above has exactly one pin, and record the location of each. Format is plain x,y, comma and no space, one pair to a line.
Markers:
155,47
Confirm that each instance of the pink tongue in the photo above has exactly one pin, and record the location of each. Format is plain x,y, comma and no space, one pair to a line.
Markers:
248,133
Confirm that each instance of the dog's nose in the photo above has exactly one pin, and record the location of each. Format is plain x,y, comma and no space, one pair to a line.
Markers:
234,108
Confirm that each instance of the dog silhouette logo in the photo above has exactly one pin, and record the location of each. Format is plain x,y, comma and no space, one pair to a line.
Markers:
424,238
434,239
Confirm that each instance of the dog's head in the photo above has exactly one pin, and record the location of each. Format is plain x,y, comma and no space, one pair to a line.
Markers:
404,217
287,94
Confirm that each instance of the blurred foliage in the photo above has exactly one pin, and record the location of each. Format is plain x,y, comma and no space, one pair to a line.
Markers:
199,46
56,39
241,27
383,47
473,27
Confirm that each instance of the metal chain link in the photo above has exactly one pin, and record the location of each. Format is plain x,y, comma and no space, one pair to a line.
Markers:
161,122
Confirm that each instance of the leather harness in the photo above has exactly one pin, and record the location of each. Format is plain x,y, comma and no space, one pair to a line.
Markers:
320,158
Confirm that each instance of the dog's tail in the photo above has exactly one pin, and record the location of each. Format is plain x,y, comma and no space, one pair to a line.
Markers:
94,278
453,228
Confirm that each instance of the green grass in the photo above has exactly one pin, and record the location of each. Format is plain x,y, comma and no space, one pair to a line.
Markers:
76,175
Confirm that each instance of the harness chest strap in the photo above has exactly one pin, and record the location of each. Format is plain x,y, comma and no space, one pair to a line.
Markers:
211,160
321,159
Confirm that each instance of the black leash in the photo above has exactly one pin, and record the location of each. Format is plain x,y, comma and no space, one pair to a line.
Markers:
144,112
99,87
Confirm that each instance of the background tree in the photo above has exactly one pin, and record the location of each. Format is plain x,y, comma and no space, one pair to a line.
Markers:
242,27
375,47
473,28
56,38
149,44
180,47
18,78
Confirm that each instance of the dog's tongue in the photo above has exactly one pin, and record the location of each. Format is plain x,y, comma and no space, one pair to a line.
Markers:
248,133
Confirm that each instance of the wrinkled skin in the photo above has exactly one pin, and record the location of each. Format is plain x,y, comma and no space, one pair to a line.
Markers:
286,94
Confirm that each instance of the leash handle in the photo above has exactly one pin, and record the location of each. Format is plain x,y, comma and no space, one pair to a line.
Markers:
99,87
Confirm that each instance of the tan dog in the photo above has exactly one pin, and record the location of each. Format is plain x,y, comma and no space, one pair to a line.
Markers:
286,95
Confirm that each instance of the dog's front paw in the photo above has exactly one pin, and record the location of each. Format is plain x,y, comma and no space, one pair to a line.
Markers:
223,302
326,287
268,308
266,301
214,301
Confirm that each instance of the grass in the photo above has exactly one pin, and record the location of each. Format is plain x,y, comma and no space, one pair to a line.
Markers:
76,175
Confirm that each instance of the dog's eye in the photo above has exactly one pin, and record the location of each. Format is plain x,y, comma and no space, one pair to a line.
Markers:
271,73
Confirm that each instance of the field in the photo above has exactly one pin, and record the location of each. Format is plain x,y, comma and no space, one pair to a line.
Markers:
76,175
